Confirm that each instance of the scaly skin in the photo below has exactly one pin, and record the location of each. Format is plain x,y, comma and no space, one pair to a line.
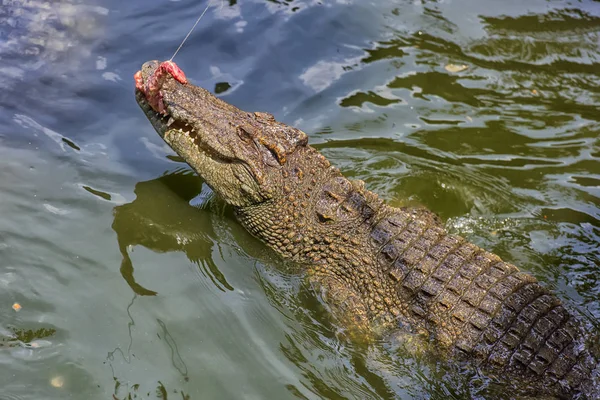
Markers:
378,267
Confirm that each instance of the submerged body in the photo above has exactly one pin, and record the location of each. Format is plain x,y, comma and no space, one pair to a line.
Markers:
378,267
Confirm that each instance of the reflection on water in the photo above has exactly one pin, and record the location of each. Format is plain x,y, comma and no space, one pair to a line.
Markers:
49,32
125,390
115,256
43,45
161,219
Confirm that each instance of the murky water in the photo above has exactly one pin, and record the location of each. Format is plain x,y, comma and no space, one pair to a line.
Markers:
134,279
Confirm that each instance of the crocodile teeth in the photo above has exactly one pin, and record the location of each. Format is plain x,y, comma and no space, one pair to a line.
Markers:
171,120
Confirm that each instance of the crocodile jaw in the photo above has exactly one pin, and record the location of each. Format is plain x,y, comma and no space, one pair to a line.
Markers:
196,125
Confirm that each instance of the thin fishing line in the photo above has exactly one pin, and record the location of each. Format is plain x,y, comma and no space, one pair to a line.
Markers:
191,30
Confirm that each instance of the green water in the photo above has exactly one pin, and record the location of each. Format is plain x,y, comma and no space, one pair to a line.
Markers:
135,280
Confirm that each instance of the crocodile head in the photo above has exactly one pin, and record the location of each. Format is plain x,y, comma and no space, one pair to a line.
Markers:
240,155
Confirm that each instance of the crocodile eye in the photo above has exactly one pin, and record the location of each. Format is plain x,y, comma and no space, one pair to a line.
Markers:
244,134
269,157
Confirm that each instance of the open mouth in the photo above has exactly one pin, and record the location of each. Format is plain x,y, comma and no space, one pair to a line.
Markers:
163,122
150,98
169,126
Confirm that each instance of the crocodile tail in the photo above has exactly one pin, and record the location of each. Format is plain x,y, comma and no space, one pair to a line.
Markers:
476,306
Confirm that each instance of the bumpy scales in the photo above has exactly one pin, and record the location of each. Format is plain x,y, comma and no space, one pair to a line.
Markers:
379,267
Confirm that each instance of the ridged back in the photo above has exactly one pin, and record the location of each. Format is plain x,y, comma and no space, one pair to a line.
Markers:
478,307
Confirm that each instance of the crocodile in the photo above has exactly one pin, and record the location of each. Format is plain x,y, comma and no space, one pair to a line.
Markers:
379,268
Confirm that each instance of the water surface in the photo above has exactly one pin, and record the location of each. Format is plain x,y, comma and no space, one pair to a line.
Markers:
134,279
